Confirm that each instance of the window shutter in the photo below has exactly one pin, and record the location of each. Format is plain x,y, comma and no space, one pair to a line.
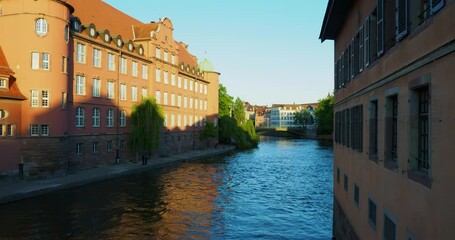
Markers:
436,5
335,80
402,18
353,58
380,28
367,41
361,49
35,60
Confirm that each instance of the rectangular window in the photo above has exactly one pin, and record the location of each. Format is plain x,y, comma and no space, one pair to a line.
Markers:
34,130
79,148
110,90
173,79
179,82
185,102
373,130
80,117
165,98
134,70
96,117
96,57
122,118
205,104
134,93
185,120
96,88
338,175
80,85
145,71
158,53
10,130
2,130
165,120
423,131
144,93
346,183
165,56
95,147
158,75
356,195
35,60
166,77
3,83
179,101
111,62
205,89
123,65
172,99
172,121
361,50
185,83
390,228
372,213
402,19
353,57
196,86
191,102
191,85
44,130
34,100
391,131
122,91
179,120
173,59
45,65
380,27
367,41
80,53
109,145
158,97
357,128
64,100
45,98
64,64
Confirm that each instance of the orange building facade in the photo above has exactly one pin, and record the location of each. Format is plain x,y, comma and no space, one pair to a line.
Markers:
81,74
394,118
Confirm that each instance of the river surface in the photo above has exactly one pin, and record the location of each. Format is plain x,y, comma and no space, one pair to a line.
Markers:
281,190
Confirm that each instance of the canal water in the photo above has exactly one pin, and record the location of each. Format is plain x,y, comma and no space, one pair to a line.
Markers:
281,190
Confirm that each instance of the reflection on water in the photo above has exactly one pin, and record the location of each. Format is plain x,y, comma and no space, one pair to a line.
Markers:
282,190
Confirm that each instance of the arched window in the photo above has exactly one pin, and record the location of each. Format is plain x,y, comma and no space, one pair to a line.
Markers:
41,27
110,118
80,117
96,117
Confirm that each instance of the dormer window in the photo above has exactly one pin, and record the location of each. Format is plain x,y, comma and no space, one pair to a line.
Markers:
3,83
41,27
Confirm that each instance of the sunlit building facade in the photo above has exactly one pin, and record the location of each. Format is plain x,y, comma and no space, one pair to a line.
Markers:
81,72
283,115
394,124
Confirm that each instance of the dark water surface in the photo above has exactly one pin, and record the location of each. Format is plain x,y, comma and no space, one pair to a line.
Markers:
282,190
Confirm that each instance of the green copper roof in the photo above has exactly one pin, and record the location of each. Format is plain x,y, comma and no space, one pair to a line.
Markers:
206,66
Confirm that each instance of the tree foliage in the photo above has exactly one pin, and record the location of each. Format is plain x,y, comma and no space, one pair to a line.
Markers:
239,111
324,114
303,117
210,131
146,121
226,102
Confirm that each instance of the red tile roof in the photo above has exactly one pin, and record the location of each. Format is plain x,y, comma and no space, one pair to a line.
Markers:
185,56
12,92
104,16
143,31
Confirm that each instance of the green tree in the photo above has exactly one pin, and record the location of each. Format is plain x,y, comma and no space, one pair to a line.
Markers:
324,115
303,117
226,102
210,131
146,121
239,111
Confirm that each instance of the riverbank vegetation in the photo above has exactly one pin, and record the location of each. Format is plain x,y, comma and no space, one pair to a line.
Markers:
234,127
324,115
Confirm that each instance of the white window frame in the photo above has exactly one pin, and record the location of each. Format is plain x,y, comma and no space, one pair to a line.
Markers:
172,79
110,116
172,99
110,62
158,97
3,83
41,27
96,87
80,85
165,98
80,53
94,147
110,90
80,117
123,65
144,93
179,82
96,117
166,77
145,71
166,55
122,118
185,101
185,83
34,130
173,59
191,85
45,61
123,91
134,93
79,148
158,75
96,57
158,53
134,68
34,98
35,60
45,98
179,101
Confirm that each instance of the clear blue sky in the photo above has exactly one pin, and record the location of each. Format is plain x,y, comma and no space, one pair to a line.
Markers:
266,51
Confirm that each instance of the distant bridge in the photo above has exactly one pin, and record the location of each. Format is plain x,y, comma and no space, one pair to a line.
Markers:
287,132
